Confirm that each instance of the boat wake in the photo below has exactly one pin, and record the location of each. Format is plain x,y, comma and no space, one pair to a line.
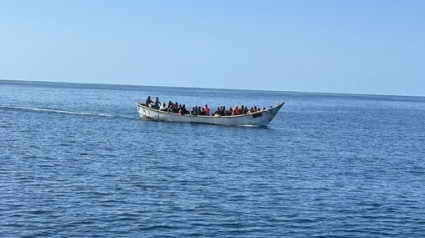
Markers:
61,111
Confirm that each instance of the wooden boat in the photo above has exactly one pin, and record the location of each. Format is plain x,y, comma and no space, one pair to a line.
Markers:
260,118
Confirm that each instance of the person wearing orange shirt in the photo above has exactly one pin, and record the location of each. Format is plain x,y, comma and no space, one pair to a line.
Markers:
206,110
236,111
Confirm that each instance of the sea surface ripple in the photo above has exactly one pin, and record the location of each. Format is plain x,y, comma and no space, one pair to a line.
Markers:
76,161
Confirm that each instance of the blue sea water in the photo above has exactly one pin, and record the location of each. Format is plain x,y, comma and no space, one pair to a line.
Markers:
76,161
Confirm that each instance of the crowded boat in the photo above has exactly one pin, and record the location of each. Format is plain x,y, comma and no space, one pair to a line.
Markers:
175,107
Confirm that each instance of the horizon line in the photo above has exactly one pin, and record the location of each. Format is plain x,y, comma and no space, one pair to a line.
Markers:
206,88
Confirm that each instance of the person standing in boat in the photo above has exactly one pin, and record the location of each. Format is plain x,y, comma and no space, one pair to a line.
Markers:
170,106
157,103
148,101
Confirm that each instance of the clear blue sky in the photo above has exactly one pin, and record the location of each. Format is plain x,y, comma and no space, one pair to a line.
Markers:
361,46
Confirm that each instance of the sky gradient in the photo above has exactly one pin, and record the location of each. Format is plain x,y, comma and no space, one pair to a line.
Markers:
366,47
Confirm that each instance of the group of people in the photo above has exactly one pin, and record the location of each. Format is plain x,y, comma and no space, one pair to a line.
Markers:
222,111
197,110
171,107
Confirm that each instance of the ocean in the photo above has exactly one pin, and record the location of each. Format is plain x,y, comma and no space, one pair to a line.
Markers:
77,161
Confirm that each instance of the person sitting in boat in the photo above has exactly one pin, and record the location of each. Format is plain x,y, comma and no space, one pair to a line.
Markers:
218,112
148,101
183,110
163,107
176,108
193,111
246,110
156,103
242,111
206,110
170,106
230,112
236,110
198,110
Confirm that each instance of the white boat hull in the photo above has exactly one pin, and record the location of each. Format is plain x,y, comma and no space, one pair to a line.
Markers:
261,118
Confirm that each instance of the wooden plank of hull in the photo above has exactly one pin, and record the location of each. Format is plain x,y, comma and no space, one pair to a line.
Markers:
262,118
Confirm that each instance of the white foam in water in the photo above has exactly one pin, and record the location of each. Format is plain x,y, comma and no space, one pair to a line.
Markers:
58,111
